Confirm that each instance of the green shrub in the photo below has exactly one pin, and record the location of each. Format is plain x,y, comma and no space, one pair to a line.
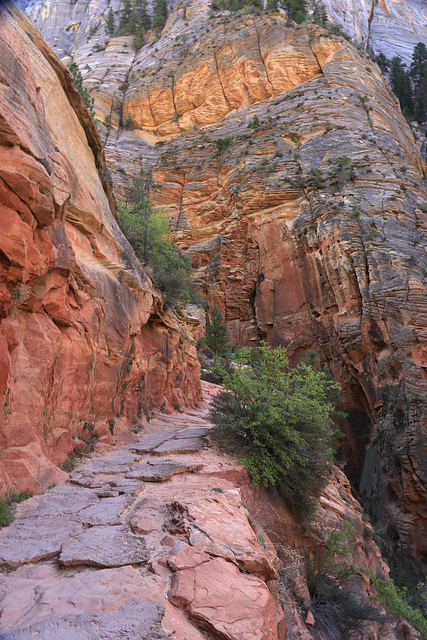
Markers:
6,506
129,122
6,515
222,144
78,81
397,600
339,613
148,231
216,333
279,419
46,165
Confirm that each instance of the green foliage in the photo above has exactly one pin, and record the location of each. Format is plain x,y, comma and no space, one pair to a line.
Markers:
418,75
78,81
222,144
397,600
296,9
148,232
319,14
254,123
110,22
401,84
6,515
236,5
134,20
343,170
125,23
160,14
382,62
129,122
280,421
338,613
6,506
216,333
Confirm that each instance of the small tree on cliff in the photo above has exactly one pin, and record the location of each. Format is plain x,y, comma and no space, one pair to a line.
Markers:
148,231
401,85
216,333
418,74
78,81
279,419
160,14
110,22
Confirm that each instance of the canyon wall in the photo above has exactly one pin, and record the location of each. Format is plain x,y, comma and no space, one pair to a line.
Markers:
391,27
85,342
297,187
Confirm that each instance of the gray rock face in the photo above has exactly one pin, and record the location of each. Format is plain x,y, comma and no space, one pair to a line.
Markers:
182,445
35,539
135,620
106,511
388,27
103,547
159,472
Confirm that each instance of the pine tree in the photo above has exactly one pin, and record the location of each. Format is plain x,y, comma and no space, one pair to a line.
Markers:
382,62
143,20
401,85
418,73
125,18
110,22
78,81
216,333
160,14
318,13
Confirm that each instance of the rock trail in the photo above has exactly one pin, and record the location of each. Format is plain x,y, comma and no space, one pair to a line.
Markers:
146,541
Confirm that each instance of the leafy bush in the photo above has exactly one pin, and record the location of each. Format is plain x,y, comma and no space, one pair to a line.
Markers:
46,164
397,600
339,613
280,421
6,506
148,232
6,515
129,122
222,144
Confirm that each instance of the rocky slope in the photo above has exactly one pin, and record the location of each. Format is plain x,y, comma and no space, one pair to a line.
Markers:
297,188
391,27
85,344
166,538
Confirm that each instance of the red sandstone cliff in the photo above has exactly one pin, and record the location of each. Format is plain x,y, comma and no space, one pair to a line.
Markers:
306,224
296,186
84,337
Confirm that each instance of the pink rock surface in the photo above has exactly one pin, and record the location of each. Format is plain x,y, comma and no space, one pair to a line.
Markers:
84,336
234,605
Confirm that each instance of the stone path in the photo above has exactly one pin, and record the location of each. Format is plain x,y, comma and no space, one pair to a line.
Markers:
147,541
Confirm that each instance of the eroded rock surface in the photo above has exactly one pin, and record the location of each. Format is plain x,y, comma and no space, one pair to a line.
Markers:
84,338
190,546
135,620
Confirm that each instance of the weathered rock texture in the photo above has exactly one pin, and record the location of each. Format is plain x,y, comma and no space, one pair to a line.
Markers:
297,188
83,334
198,547
391,27
303,210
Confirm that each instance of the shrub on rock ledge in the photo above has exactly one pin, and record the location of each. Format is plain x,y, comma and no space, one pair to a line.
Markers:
279,419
